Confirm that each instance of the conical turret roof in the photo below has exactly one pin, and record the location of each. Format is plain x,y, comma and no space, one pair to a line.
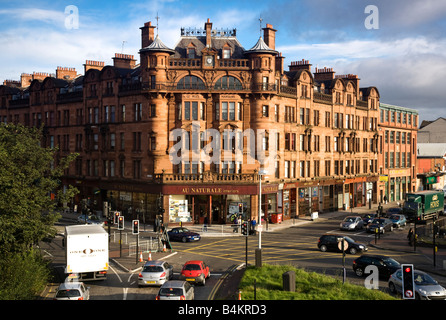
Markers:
157,46
261,47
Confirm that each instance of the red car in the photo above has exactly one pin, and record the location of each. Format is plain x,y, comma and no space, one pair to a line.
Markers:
195,271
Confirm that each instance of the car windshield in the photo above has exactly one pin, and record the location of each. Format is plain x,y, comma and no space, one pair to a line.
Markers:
191,267
378,221
68,293
152,269
348,239
349,219
391,262
171,292
411,205
424,279
183,230
395,217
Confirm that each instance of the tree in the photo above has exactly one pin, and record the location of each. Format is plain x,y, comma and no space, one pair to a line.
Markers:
29,175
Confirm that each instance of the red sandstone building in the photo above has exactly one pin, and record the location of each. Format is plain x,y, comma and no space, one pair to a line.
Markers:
319,131
398,127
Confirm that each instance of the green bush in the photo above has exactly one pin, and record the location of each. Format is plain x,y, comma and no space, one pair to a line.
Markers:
23,275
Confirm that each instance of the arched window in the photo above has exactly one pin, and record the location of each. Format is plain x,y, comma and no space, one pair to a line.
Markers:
228,83
191,82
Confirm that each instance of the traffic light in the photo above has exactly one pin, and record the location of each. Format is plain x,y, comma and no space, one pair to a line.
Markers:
121,223
408,281
244,228
116,216
240,207
135,229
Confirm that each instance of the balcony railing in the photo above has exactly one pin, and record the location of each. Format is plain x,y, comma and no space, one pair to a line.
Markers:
206,177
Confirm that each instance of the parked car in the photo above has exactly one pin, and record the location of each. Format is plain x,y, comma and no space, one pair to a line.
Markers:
395,210
426,287
329,242
155,273
183,234
352,223
195,271
90,219
176,290
368,217
382,224
386,265
72,291
399,220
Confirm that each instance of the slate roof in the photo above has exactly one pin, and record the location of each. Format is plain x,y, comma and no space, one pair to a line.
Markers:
217,43
431,150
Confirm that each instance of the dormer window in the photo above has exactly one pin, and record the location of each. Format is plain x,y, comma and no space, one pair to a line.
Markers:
191,53
226,53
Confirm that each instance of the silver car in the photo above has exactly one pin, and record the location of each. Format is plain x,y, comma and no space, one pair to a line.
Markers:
176,290
155,273
352,223
72,291
426,287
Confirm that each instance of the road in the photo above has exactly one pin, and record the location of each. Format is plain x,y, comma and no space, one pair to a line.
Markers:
295,246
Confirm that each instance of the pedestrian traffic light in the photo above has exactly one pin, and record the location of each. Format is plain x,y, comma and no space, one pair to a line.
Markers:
120,223
244,228
408,281
135,229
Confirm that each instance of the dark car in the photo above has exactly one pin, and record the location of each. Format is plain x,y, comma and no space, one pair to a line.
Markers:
183,234
329,242
381,224
386,265
368,217
396,210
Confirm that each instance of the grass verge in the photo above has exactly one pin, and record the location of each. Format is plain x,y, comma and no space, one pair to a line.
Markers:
309,286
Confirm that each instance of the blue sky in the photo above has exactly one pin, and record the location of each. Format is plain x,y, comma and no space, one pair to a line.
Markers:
405,57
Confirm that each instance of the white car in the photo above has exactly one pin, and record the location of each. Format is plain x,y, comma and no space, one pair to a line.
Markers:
352,223
72,291
426,287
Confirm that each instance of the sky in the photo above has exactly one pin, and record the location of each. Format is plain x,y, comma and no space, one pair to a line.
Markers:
398,46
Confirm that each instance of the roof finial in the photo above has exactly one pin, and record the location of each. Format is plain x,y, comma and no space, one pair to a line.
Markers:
260,31
157,20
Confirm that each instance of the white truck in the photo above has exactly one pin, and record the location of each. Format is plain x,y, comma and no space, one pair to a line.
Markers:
86,251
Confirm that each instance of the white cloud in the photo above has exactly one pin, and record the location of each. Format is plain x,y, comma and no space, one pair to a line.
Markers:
35,14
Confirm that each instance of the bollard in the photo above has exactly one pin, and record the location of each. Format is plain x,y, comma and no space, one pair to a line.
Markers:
289,281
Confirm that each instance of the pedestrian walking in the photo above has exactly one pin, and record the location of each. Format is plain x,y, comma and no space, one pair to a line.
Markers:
410,237
385,199
205,224
253,226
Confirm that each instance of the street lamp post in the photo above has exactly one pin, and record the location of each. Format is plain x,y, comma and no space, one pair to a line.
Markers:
259,250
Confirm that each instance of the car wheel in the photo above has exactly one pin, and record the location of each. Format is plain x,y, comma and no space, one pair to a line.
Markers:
392,287
203,282
183,239
359,272
323,248
352,250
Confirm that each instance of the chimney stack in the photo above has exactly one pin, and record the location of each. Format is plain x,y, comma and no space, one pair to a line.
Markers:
208,28
124,61
269,36
299,65
66,73
147,34
90,64
324,74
